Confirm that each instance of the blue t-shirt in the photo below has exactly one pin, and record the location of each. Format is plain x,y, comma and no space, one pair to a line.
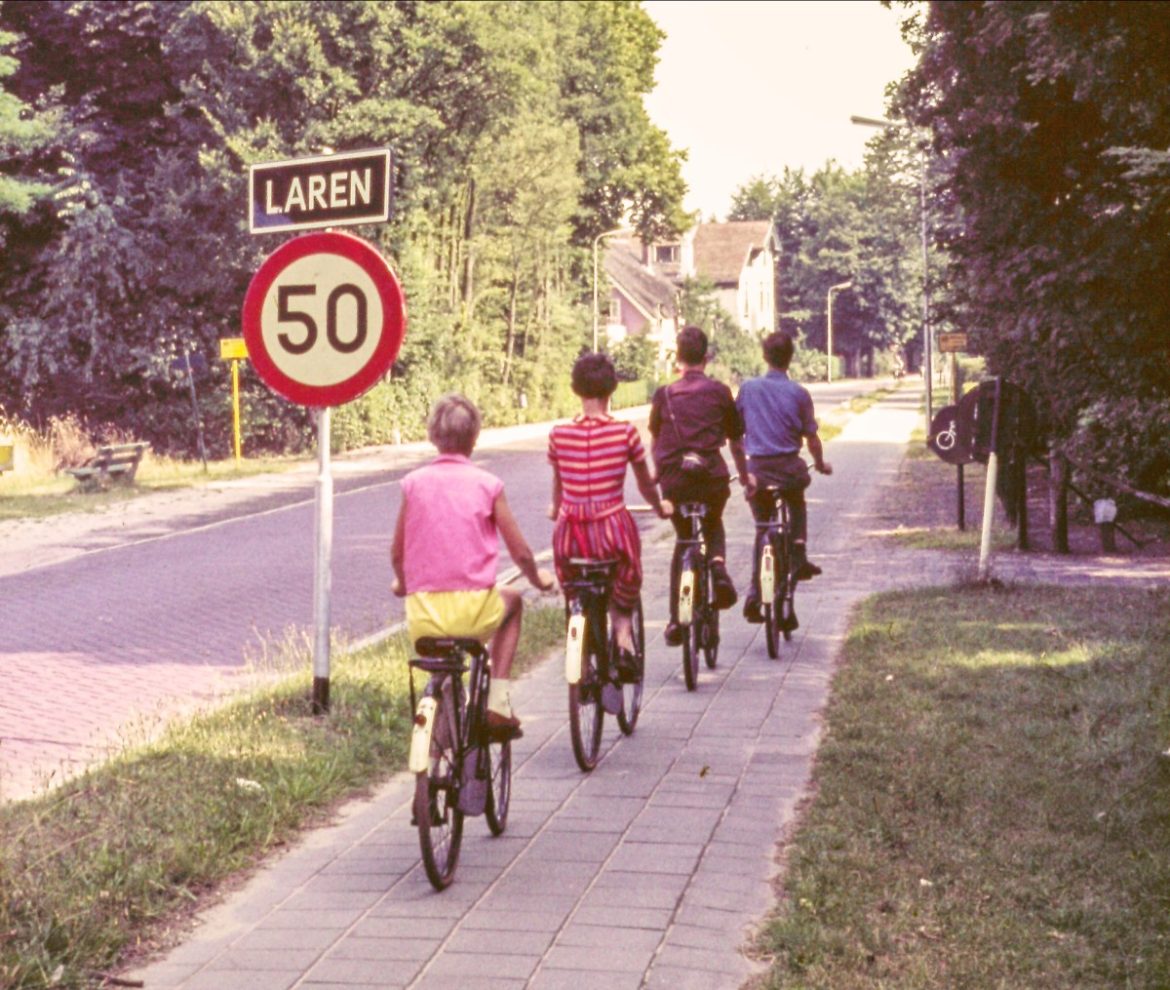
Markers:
777,414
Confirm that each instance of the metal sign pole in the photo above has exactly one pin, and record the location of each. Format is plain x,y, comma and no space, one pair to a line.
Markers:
236,410
322,570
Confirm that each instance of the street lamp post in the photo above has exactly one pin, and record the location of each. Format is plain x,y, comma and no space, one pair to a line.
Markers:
596,242
927,343
841,287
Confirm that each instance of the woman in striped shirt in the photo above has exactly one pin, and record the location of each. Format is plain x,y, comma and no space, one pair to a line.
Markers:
589,458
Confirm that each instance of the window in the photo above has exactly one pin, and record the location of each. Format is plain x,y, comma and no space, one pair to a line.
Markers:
615,310
666,254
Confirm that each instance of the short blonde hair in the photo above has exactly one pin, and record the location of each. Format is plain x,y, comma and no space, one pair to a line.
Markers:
453,425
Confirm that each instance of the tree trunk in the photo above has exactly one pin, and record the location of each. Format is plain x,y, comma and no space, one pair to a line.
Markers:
1058,500
469,254
510,340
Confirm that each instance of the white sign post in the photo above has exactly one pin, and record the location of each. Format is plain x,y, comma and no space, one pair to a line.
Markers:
323,320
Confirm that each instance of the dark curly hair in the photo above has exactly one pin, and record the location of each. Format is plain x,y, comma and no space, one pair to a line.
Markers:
594,376
691,345
778,348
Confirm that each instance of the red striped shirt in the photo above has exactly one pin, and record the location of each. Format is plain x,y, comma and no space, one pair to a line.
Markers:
591,454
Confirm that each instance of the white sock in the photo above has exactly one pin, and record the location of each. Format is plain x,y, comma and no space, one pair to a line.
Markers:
499,698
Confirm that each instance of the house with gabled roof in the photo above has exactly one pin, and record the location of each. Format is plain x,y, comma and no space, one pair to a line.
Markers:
738,257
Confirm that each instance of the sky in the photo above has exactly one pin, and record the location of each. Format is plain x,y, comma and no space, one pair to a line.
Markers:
747,88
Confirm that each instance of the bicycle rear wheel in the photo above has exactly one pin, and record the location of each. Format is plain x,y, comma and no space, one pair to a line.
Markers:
711,636
632,692
436,810
785,588
499,794
770,607
585,711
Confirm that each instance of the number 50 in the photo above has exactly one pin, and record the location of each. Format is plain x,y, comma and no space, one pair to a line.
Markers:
286,314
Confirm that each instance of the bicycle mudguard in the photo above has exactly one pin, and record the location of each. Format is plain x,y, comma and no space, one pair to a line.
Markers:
574,646
686,597
420,736
767,574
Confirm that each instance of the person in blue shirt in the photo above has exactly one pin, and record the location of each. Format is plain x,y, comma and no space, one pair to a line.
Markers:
779,419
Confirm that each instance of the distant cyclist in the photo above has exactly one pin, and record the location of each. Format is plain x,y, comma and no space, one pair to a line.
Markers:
778,420
690,420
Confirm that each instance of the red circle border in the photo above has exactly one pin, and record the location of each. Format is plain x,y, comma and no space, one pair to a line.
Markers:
366,256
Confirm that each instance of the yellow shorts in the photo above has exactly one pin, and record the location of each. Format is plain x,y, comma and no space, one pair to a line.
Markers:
469,614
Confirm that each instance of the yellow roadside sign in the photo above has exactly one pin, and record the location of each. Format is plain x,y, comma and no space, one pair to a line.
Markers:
233,349
952,343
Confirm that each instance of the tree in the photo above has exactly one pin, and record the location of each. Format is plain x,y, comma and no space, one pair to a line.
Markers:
1049,131
836,226
517,128
22,133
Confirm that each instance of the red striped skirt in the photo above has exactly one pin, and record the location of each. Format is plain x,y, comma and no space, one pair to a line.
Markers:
604,532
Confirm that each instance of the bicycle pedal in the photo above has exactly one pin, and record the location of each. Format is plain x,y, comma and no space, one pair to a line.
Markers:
611,698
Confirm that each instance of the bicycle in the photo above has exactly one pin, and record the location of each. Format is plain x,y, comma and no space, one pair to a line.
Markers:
459,769
697,613
777,579
590,660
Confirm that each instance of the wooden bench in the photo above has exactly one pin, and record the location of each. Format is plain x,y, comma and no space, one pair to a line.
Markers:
118,462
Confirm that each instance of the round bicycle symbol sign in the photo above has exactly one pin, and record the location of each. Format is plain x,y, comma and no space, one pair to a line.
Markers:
323,319
949,437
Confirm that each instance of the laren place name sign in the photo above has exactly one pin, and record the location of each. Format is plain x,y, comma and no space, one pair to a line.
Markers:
325,191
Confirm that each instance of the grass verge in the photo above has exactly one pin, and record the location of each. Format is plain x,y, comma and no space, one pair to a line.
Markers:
42,495
106,864
991,805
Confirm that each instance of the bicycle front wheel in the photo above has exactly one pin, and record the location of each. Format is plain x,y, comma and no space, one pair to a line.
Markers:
585,711
632,691
436,806
499,785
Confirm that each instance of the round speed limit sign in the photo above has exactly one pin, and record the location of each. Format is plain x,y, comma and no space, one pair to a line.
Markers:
323,319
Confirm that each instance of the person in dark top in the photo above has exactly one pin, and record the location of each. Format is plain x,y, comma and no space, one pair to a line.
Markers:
697,415
779,419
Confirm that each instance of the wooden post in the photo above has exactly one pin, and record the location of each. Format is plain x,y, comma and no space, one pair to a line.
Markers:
1058,500
962,499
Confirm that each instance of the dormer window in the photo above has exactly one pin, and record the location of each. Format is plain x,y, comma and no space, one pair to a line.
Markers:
666,254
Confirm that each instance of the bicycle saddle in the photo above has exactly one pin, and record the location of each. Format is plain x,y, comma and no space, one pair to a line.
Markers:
693,509
436,646
586,565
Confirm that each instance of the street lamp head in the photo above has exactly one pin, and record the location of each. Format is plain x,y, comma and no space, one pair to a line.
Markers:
873,122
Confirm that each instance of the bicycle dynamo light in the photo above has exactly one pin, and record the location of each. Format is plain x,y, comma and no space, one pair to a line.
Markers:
767,574
574,641
686,597
420,736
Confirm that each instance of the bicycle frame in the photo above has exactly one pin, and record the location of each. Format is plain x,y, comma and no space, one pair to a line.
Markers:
693,565
587,600
773,572
773,528
443,698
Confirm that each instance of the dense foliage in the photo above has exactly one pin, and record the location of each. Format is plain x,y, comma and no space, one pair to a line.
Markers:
1050,125
836,227
518,130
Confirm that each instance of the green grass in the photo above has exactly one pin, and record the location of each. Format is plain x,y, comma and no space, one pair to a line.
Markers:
992,806
106,863
44,494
